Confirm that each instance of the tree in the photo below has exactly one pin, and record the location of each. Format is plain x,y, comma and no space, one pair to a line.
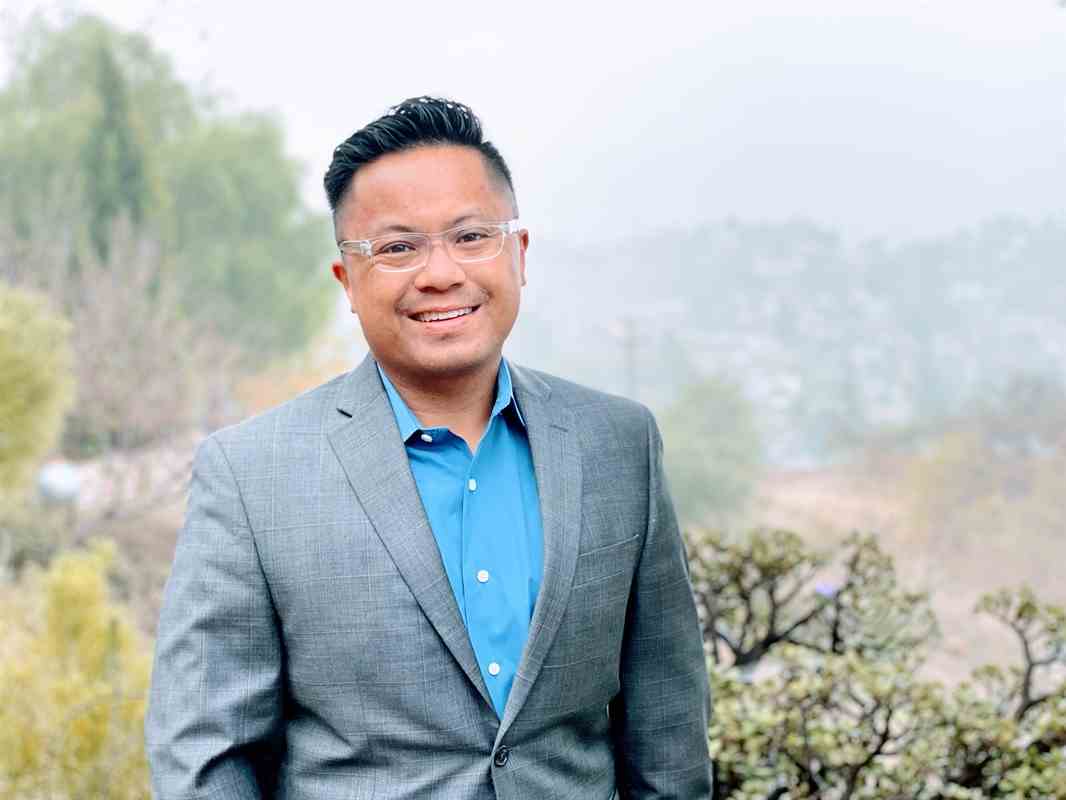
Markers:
759,591
35,372
713,452
145,371
66,85
97,127
113,161
816,664
242,247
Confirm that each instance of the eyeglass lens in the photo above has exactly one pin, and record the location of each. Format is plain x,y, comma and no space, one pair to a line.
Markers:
407,250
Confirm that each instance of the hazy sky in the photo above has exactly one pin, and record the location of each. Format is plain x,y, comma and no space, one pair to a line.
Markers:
895,118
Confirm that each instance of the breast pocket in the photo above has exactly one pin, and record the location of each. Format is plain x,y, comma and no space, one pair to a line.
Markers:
590,633
606,561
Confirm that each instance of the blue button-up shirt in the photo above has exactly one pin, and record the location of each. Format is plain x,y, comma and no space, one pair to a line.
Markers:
485,514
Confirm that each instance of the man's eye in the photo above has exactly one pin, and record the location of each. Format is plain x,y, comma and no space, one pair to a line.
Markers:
471,236
395,248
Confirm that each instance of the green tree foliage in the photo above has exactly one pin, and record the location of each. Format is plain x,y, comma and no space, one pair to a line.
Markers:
35,376
818,691
712,450
64,84
244,249
832,727
97,126
73,682
759,591
113,161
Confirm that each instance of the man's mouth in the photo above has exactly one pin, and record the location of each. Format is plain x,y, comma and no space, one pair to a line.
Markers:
437,316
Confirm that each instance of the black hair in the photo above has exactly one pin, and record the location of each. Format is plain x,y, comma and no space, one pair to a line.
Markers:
416,122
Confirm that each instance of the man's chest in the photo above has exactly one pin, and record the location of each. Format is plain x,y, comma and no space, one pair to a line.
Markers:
349,613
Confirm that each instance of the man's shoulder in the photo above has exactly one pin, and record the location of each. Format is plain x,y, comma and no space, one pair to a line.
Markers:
308,413
590,407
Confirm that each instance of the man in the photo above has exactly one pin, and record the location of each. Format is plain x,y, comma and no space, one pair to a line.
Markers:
440,575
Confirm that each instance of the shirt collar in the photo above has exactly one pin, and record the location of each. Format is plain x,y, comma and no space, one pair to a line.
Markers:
408,423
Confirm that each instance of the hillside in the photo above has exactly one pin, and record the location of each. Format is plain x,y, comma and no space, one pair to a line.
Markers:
831,340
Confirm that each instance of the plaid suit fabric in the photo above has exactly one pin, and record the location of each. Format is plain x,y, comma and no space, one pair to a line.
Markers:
310,645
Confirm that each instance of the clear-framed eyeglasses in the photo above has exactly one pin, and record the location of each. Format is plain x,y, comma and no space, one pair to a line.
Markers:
403,252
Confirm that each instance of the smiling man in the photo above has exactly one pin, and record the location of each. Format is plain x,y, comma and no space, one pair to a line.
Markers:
440,575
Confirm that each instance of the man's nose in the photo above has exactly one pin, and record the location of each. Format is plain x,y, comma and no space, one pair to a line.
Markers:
441,271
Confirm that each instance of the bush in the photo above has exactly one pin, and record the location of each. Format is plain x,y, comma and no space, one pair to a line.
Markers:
818,693
73,680
35,373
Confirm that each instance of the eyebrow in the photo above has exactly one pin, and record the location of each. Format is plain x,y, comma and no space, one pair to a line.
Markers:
397,227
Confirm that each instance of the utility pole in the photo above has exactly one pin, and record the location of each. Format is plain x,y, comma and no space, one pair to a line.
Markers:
627,331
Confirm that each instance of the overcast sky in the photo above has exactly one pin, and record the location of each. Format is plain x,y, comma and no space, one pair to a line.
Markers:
893,117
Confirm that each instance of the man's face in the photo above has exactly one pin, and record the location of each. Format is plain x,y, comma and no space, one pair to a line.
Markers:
431,189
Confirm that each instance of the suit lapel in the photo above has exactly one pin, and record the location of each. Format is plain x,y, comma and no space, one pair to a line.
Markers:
557,463
374,459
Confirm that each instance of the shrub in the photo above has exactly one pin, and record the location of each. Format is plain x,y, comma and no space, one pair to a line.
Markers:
818,691
35,373
73,680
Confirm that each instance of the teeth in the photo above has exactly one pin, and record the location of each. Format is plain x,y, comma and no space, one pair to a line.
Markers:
433,316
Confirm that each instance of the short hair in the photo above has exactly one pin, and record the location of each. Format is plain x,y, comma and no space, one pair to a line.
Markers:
416,122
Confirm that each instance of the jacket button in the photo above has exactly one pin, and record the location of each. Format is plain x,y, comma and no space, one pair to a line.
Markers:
500,759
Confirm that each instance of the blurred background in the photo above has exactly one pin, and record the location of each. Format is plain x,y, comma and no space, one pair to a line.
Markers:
825,243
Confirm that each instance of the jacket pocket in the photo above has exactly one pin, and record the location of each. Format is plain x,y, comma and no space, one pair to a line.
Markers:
605,561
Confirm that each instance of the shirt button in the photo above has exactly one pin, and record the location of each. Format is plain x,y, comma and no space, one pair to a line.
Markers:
471,485
427,438
482,576
494,669
501,757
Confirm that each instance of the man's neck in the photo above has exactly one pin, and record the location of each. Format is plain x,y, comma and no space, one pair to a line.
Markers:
462,402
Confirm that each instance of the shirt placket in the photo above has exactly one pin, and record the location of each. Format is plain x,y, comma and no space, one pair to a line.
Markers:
478,574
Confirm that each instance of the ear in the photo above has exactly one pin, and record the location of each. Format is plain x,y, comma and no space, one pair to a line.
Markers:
340,272
523,243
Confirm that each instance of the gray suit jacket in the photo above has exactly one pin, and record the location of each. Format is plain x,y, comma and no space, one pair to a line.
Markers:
310,645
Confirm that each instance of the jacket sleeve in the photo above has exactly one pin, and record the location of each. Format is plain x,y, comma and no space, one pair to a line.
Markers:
215,701
660,716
